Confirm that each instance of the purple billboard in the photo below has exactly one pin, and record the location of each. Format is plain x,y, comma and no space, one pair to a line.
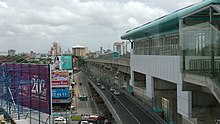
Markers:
27,85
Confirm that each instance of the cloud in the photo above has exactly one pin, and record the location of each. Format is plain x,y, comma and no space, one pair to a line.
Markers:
34,24
3,4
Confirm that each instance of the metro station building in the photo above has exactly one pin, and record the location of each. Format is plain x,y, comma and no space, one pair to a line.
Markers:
175,59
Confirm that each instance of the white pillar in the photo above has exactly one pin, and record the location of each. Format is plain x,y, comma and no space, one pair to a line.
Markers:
149,86
132,78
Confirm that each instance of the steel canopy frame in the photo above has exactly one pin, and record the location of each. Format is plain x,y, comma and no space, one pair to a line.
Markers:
165,23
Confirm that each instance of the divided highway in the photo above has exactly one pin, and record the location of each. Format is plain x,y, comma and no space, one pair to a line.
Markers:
127,110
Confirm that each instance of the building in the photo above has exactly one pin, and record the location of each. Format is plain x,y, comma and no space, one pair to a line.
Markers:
55,50
175,59
33,54
11,52
121,47
79,50
68,52
3,53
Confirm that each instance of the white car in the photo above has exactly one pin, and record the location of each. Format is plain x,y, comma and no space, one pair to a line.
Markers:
98,84
60,120
112,89
84,122
116,92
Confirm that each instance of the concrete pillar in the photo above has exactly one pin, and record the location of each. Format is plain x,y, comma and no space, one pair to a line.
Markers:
132,78
126,82
149,86
120,80
150,89
184,102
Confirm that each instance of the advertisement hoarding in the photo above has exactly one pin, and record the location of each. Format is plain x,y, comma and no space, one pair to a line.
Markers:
56,63
60,83
60,79
61,93
27,85
62,100
67,62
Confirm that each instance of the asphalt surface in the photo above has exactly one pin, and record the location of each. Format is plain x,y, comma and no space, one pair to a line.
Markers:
128,111
88,107
85,107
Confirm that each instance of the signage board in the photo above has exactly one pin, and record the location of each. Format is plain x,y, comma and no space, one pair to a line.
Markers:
56,63
60,79
67,62
61,101
58,83
60,93
27,84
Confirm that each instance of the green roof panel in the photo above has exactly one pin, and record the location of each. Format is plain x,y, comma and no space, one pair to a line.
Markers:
166,23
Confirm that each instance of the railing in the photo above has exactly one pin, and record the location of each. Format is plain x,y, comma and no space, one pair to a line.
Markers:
204,65
123,62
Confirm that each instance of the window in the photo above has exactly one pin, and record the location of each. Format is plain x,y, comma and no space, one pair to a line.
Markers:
163,45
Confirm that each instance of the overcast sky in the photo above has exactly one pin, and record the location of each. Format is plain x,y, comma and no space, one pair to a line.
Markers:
27,25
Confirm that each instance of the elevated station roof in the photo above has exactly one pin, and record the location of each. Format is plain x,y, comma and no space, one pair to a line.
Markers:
166,24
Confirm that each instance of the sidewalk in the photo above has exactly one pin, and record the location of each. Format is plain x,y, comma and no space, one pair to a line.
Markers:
76,94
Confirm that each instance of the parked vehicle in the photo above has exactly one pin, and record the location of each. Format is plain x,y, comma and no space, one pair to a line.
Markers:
84,122
60,120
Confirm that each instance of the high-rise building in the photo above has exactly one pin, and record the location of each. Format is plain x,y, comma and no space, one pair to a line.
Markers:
55,50
11,52
79,50
121,47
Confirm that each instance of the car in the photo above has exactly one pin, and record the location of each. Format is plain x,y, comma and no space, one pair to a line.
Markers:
83,97
117,92
124,87
98,84
60,120
112,89
84,122
71,107
102,87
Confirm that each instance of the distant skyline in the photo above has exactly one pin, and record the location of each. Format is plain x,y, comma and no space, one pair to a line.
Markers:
27,25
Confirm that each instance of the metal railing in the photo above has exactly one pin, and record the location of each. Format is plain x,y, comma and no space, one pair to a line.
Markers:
123,62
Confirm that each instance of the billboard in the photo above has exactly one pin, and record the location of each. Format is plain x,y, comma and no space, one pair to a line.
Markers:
75,62
60,79
60,83
27,85
67,62
62,100
60,93
56,63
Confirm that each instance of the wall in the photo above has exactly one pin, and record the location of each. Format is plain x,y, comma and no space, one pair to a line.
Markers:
166,68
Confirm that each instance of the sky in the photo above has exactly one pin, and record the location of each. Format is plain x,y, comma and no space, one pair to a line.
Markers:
27,25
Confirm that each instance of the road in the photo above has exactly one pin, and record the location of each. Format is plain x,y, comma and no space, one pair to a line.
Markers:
89,106
128,111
